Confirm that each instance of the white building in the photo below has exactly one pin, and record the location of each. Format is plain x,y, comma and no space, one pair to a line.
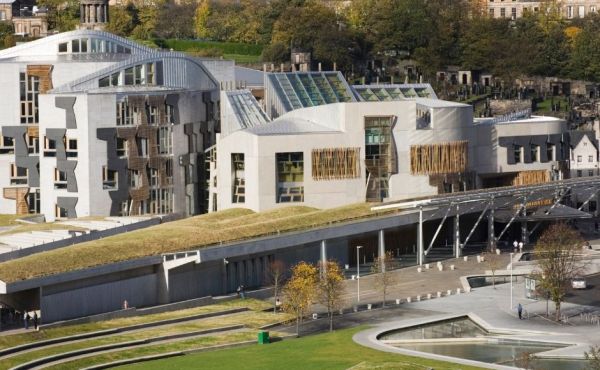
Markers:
94,124
331,144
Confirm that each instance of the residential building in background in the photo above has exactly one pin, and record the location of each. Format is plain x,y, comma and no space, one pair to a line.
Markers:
569,9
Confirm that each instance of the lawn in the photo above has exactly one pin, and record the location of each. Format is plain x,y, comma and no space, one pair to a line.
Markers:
9,220
232,48
243,59
252,320
191,233
57,332
328,351
546,105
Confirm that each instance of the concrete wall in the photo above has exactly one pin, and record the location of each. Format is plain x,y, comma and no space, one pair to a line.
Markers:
138,291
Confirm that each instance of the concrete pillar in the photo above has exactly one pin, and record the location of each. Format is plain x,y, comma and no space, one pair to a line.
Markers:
457,249
381,247
323,258
224,276
491,231
420,252
163,284
524,232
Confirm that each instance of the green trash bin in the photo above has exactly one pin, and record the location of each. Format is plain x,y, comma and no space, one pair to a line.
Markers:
263,337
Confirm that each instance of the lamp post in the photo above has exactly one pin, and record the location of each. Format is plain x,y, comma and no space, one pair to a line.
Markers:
511,280
358,272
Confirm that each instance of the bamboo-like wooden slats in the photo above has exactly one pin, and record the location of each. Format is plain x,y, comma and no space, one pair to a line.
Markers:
531,177
20,195
440,158
44,72
335,163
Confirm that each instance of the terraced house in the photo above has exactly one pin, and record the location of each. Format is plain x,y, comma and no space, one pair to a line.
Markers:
94,124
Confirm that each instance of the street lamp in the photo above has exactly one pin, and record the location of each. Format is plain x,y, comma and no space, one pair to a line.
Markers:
358,272
511,280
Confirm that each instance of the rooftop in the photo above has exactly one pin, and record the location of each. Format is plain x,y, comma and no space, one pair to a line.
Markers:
289,126
187,234
389,92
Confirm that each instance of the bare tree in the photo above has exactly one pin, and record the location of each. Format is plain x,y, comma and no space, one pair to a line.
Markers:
276,276
593,356
494,263
331,289
299,291
556,257
382,268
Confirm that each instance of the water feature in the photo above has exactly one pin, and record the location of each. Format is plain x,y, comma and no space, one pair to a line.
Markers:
475,343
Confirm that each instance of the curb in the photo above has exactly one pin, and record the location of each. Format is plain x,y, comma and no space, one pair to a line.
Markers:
85,351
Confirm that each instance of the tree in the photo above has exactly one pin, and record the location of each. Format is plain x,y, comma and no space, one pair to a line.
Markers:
494,262
201,18
299,291
121,20
331,289
384,277
276,276
63,15
176,20
555,253
593,356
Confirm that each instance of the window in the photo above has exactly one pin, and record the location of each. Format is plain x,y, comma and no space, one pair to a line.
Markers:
129,76
18,175
49,147
290,177
165,140
34,201
62,47
581,11
126,115
109,178
517,154
513,13
503,12
579,173
590,158
153,175
29,89
535,153
569,11
150,74
593,9
152,114
238,186
75,46
84,45
142,144
7,145
121,148
491,12
60,212
33,144
579,159
590,173
169,118
71,146
60,179
139,78
135,180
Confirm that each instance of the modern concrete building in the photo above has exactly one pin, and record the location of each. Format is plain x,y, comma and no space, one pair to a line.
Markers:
94,124
330,144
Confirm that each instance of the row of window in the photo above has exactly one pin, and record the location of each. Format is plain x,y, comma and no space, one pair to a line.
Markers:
92,45
141,74
29,87
7,144
534,151
591,159
590,173
160,202
69,144
128,115
580,10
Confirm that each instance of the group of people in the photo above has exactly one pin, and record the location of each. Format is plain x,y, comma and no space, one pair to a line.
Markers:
518,245
34,319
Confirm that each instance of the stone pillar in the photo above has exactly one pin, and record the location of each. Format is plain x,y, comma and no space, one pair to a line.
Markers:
457,249
323,258
381,248
524,232
491,231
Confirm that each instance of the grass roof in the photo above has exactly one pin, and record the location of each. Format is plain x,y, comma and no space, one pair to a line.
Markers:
191,233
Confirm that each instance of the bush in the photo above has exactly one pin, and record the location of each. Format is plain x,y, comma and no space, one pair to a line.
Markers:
195,45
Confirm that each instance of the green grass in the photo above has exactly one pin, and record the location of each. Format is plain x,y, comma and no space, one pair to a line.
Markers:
44,334
232,48
328,351
546,105
9,220
196,343
191,233
243,59
250,319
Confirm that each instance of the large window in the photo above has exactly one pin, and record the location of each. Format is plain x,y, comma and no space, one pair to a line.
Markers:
238,188
290,177
60,179
551,152
165,140
517,152
378,156
535,150
109,179
18,175
29,89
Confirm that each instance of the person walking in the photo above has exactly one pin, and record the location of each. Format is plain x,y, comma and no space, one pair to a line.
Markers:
520,311
26,320
35,321
520,247
515,246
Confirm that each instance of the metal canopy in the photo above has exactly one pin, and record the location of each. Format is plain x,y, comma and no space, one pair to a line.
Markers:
545,213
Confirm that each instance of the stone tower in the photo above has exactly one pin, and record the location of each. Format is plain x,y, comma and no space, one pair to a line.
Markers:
93,14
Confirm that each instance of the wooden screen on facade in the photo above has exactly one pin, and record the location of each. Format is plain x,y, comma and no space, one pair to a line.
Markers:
439,158
335,163
531,177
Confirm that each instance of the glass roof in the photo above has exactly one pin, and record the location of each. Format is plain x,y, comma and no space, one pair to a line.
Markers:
393,92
